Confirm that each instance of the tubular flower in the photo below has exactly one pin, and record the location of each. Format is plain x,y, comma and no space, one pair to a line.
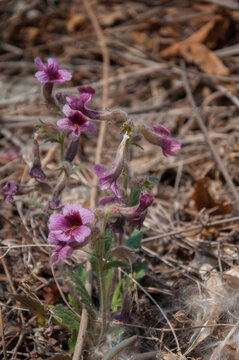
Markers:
108,179
135,215
79,104
9,190
160,135
68,231
50,73
75,122
36,171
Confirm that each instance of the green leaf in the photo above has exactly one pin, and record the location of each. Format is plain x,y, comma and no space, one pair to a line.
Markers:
52,140
140,270
67,318
72,341
137,145
85,297
108,239
114,264
116,300
33,305
35,203
134,197
76,168
134,241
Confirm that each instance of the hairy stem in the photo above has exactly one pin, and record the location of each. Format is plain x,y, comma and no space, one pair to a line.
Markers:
61,140
103,300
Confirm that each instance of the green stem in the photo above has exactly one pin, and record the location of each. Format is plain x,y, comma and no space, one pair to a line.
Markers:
61,140
125,183
103,302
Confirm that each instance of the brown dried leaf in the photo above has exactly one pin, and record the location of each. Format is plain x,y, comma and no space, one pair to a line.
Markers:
75,22
204,198
230,352
232,277
51,294
204,58
195,49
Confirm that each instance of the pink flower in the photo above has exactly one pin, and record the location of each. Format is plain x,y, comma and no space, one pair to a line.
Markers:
75,122
80,102
50,73
108,179
9,190
69,231
135,215
160,135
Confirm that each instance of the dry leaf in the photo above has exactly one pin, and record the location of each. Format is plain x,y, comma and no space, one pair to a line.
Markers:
75,22
204,198
204,58
230,352
195,49
232,277
51,294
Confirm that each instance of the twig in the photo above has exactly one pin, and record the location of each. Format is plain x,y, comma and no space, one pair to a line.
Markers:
105,56
3,336
227,3
207,138
193,228
145,356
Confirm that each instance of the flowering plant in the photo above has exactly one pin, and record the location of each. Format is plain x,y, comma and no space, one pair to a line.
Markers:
102,232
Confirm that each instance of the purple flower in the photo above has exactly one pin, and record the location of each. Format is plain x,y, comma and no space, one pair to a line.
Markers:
108,179
135,215
75,122
68,230
53,204
80,102
160,135
50,73
9,190
63,249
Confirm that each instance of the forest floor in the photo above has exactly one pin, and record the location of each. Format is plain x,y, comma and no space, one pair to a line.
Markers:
174,63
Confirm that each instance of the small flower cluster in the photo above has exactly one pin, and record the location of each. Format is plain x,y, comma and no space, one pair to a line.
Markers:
70,230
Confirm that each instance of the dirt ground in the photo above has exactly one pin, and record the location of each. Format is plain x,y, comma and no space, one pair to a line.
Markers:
173,63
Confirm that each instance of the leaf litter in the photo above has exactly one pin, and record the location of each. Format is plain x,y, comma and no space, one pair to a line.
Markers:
192,230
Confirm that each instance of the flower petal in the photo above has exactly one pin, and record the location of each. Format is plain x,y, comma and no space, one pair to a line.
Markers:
42,77
161,130
86,89
91,128
64,75
57,222
65,125
86,215
100,170
39,63
53,65
81,233
65,252
67,110
114,187
70,209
